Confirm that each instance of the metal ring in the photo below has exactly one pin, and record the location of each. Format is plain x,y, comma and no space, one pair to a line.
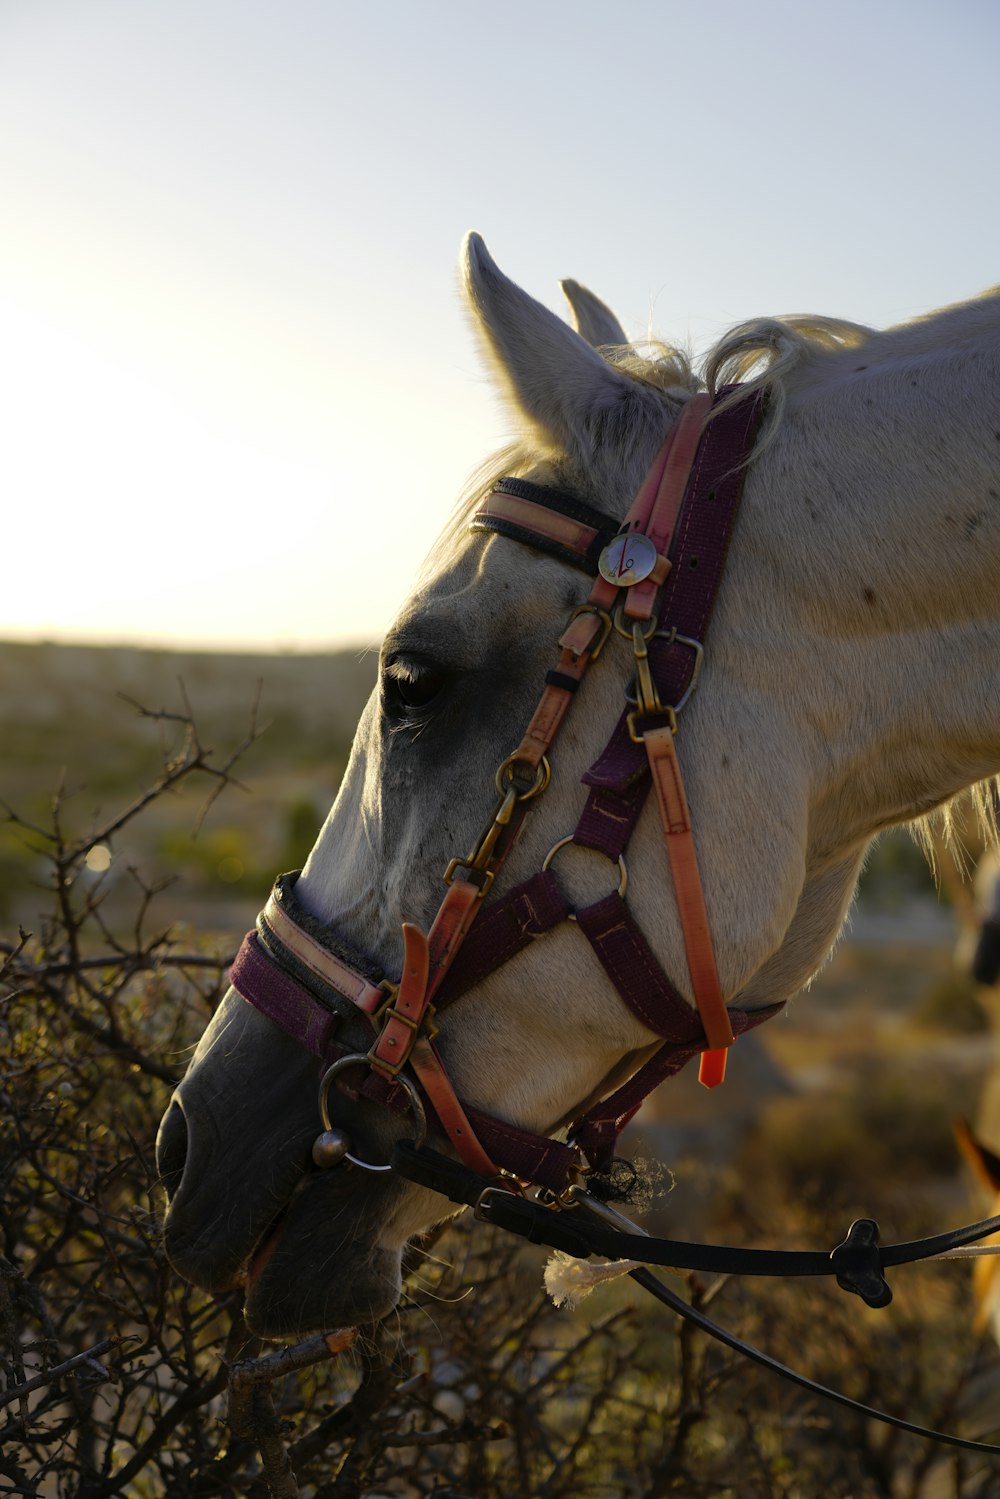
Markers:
357,1058
672,638
543,775
649,625
623,872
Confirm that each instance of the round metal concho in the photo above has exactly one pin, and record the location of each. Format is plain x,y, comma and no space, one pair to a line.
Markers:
327,1149
622,871
627,560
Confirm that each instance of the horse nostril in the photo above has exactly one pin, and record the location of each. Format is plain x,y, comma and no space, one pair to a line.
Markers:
171,1148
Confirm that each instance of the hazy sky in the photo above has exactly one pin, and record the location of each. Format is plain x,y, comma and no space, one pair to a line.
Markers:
234,371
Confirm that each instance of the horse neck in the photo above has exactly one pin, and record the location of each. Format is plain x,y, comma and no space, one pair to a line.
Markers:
869,553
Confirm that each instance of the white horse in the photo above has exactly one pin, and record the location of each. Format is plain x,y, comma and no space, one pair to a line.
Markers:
852,682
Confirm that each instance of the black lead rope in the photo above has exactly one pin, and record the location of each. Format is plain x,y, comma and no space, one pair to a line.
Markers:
649,1282
857,1263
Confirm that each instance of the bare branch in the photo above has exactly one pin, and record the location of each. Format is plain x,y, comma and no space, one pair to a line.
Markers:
89,1356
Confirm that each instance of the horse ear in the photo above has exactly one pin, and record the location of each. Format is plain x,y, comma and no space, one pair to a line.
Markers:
553,376
594,320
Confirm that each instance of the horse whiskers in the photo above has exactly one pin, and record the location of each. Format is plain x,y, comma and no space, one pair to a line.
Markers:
425,1254
409,1305
426,1290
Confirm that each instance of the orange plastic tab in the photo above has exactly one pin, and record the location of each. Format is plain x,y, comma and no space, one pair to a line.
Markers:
712,1068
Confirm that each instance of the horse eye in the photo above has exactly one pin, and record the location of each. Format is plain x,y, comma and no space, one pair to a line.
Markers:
411,688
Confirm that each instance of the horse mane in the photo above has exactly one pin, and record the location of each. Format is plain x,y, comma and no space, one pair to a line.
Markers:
757,355
764,353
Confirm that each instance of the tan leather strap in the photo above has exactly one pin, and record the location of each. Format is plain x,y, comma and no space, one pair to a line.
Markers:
581,633
540,521
320,961
552,708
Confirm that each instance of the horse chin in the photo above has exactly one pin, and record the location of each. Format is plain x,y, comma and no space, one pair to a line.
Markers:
319,1267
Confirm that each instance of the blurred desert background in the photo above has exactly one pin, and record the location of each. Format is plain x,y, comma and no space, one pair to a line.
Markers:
72,726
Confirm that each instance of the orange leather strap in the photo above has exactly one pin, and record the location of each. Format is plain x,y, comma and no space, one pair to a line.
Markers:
400,1041
454,1121
405,1015
403,1035
668,496
664,766
455,915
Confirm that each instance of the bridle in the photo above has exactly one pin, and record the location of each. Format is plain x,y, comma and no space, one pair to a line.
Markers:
657,577
289,968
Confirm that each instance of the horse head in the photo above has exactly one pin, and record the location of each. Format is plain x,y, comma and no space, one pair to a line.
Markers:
830,705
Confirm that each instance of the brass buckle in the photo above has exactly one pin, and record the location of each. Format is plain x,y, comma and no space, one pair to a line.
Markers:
429,1029
454,865
569,1198
672,637
477,863
424,1027
391,992
626,627
389,1071
632,719
468,864
478,860
606,623
647,697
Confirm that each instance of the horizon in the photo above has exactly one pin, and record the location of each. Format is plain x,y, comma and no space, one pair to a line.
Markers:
359,648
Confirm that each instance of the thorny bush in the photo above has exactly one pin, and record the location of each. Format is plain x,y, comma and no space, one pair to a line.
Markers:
115,1373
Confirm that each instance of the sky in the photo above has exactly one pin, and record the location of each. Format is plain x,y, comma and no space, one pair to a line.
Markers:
240,396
